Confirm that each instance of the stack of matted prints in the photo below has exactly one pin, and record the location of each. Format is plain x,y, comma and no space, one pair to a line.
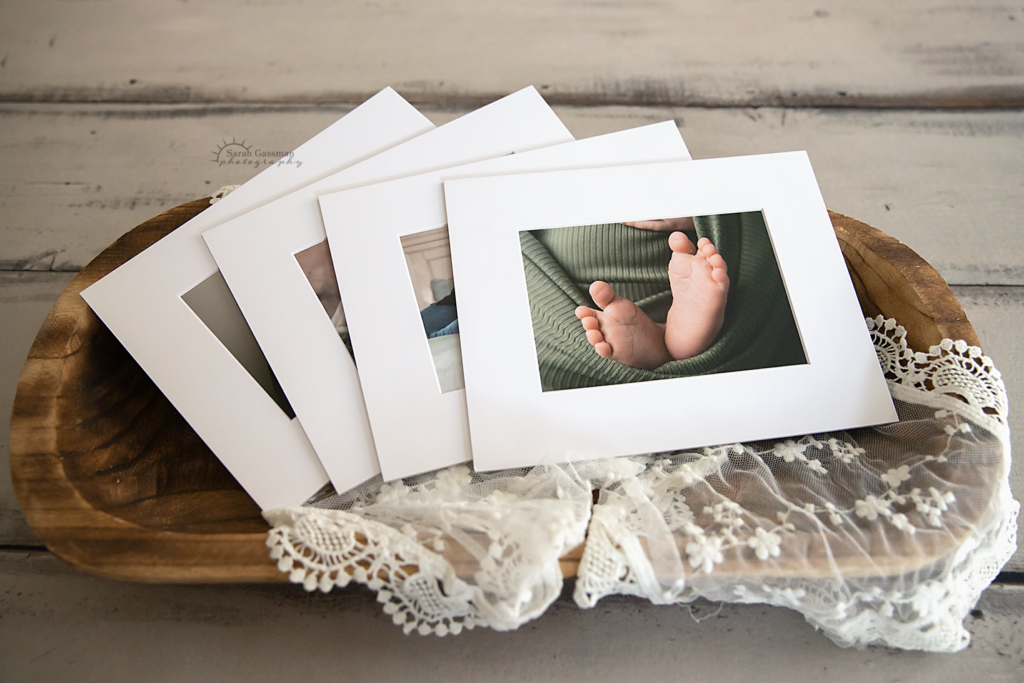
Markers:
401,298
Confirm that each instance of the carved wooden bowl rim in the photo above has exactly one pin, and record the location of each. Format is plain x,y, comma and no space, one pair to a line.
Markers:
75,523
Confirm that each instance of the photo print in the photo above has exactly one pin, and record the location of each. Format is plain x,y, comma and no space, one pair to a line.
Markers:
395,282
429,259
636,301
429,262
265,449
257,254
318,268
763,335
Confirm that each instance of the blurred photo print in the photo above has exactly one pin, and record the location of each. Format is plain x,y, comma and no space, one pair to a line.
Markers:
429,259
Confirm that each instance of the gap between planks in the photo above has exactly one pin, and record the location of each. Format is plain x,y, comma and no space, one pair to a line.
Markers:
997,98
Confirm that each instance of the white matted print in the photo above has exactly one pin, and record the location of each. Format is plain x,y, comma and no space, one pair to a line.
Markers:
494,224
150,303
260,253
418,413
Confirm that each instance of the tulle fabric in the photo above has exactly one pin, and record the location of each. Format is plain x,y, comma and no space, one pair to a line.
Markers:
880,535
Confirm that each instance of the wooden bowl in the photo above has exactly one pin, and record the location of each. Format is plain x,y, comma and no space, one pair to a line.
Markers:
112,479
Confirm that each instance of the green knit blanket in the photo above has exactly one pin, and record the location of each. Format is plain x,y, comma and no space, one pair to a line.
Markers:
561,263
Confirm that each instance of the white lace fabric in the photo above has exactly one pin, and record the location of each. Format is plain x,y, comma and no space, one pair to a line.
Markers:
222,193
880,535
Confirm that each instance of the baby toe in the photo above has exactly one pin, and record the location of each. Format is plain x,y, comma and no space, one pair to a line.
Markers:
707,250
602,294
681,244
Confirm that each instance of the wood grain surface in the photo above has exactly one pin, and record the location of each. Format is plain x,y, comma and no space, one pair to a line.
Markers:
107,472
941,182
847,53
881,268
112,479
25,299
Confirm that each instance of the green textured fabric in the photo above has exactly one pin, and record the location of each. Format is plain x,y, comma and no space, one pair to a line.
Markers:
561,263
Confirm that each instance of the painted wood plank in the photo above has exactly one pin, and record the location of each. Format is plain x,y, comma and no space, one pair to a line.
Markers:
25,299
93,175
78,176
799,52
943,183
59,625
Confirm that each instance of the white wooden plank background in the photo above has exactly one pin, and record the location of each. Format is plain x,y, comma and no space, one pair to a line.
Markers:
110,111
948,184
98,630
729,52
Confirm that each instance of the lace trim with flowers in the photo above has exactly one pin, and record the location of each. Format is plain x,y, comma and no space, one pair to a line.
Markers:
877,535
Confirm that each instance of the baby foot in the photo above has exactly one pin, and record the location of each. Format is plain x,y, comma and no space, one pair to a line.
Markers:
621,331
700,287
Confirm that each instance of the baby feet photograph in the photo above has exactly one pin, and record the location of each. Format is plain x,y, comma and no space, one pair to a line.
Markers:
660,298
620,330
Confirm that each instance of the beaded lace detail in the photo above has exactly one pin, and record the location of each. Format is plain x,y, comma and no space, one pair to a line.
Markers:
790,522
